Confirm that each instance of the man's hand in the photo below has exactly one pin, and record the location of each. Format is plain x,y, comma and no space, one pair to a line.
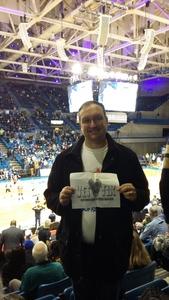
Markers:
128,190
65,195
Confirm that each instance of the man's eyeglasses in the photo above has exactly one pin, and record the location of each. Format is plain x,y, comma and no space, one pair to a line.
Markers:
95,119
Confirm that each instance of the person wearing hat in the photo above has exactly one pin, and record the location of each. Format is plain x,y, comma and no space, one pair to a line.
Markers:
44,233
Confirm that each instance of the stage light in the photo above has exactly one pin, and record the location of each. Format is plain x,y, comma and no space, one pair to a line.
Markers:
60,45
142,62
104,24
100,56
25,67
92,71
77,69
23,34
100,73
149,39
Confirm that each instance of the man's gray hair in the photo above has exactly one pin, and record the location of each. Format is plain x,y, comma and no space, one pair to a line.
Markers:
40,252
156,209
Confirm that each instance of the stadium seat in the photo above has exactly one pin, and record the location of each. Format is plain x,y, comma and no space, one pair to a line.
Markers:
67,292
72,297
48,297
135,293
166,289
137,277
54,288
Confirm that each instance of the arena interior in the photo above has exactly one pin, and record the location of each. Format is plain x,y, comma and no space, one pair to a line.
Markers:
54,55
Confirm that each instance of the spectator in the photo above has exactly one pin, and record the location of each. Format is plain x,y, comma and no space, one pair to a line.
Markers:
52,217
89,235
139,256
10,296
54,251
37,209
34,235
28,245
164,184
44,272
44,232
11,237
156,226
152,229
15,265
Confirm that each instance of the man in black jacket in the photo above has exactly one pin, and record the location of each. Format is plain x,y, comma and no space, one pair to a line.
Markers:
11,237
164,184
95,241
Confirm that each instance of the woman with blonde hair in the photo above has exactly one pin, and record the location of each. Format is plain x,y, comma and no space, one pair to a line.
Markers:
139,256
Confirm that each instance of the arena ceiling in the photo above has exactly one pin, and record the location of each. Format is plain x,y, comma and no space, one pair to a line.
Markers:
30,30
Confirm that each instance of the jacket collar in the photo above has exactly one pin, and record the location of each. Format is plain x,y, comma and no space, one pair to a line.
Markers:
76,148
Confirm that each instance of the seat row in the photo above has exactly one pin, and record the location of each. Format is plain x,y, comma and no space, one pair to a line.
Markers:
51,291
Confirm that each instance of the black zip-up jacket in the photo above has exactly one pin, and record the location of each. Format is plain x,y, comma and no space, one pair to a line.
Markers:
113,234
164,192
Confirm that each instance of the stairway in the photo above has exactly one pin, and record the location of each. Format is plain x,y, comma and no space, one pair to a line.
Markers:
13,163
3,148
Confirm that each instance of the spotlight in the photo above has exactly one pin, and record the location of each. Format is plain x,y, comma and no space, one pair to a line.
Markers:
77,69
23,33
100,56
142,62
103,33
149,39
25,67
60,45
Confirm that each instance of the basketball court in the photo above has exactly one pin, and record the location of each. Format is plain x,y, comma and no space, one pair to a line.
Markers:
18,199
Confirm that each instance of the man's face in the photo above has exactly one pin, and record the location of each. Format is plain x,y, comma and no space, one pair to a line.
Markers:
93,125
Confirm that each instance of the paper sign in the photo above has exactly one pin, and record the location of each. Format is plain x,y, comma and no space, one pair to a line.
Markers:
94,190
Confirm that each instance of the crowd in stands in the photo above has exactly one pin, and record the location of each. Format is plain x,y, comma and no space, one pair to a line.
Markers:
28,255
6,100
15,121
151,159
152,228
150,103
25,128
19,261
35,151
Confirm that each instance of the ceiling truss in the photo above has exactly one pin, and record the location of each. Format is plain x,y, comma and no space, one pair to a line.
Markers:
78,23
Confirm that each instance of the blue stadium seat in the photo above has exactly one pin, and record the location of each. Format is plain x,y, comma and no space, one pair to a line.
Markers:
72,297
137,277
135,293
166,289
48,297
67,292
54,288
